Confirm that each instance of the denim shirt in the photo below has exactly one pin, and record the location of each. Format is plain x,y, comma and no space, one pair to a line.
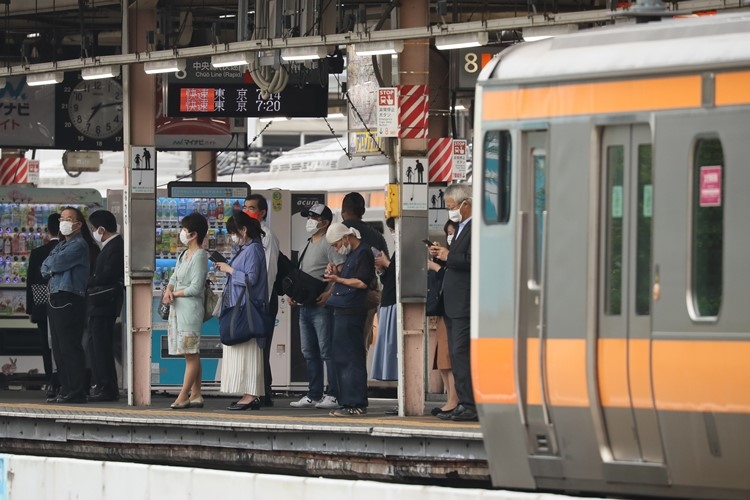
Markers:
67,266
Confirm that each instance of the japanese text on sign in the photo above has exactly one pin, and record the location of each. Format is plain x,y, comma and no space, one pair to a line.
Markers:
388,112
459,159
710,194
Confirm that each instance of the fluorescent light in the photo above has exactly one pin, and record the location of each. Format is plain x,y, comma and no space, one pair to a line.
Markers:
303,53
168,66
33,35
44,78
534,33
227,60
449,42
379,48
97,72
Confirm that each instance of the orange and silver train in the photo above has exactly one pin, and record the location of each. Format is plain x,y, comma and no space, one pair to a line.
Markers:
611,277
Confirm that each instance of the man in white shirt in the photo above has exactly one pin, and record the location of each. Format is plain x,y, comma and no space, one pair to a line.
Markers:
256,207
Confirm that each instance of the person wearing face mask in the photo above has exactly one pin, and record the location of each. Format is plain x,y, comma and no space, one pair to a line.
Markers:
185,296
457,299
441,359
105,296
67,268
348,295
242,364
316,320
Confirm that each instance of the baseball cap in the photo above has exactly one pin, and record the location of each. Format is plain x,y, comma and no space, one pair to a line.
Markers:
318,210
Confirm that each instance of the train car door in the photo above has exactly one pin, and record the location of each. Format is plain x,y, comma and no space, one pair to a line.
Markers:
532,323
631,427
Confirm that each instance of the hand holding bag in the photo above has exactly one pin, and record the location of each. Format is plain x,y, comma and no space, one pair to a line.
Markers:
247,319
210,300
163,310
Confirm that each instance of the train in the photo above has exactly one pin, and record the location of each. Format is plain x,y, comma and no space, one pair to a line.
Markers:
610,283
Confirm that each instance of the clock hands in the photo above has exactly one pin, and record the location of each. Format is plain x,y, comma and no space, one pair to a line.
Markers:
95,109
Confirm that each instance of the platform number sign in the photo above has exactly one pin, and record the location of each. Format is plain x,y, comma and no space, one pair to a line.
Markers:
467,63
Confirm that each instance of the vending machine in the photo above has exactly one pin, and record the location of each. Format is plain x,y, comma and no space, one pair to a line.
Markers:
23,221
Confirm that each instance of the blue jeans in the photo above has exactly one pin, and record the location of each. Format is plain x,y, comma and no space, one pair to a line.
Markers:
315,331
350,359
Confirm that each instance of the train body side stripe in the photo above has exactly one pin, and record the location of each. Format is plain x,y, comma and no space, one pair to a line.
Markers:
688,375
732,88
592,98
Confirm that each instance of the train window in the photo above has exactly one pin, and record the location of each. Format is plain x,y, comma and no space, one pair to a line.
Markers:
496,178
644,231
709,177
539,162
613,262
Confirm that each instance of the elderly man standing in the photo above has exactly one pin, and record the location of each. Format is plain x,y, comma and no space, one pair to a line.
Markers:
457,299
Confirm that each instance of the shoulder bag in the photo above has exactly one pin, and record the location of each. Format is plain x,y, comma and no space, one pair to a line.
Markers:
210,300
247,319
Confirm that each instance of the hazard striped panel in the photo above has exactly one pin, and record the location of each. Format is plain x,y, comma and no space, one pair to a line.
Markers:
13,171
412,113
440,156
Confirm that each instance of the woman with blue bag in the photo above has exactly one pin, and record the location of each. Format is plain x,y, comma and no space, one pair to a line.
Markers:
242,363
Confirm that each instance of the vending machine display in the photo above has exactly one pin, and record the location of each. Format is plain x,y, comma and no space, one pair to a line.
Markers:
168,370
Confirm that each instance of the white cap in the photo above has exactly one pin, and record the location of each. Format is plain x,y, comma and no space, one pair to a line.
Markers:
337,230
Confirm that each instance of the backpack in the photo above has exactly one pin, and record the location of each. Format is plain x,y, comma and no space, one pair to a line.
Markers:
283,268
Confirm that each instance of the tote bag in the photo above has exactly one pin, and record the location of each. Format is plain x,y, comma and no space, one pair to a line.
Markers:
247,319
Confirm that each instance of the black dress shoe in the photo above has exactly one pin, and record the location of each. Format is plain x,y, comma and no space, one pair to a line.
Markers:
102,397
464,414
437,410
71,399
52,394
252,405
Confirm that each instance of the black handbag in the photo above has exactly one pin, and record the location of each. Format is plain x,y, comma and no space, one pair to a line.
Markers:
302,287
434,305
247,319
163,311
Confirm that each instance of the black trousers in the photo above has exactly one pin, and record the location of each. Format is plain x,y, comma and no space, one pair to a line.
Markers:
101,330
41,328
349,358
459,347
273,309
67,319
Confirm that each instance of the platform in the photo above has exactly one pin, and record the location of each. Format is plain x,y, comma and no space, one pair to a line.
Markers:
278,439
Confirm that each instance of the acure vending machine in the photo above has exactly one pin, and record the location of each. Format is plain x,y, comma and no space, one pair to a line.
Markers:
23,223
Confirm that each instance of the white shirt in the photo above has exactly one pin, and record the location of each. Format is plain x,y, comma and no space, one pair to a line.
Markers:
271,246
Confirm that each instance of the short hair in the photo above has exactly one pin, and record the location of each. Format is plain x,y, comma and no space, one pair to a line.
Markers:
262,203
242,220
459,192
391,223
353,203
105,219
53,224
195,223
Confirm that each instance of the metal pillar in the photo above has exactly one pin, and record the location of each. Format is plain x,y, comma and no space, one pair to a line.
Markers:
204,166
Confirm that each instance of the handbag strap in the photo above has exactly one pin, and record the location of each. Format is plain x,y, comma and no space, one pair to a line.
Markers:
302,255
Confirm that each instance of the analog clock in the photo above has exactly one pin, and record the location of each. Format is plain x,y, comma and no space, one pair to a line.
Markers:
95,108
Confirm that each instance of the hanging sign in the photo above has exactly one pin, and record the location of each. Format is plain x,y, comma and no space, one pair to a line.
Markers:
388,112
459,159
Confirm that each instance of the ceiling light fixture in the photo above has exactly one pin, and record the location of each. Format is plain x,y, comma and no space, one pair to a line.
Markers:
462,41
98,72
227,60
303,53
379,48
167,66
35,79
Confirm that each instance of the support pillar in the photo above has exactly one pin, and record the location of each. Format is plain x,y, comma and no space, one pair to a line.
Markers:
139,213
413,70
204,166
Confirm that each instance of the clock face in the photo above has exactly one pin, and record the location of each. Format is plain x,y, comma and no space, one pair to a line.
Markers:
95,108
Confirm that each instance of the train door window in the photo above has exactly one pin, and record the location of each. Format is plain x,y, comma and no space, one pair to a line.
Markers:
614,228
709,177
497,177
539,162
644,231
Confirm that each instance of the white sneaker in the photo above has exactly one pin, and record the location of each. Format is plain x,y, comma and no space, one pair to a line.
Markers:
328,402
304,402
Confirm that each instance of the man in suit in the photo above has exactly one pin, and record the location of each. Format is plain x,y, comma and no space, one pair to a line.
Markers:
105,295
457,299
36,308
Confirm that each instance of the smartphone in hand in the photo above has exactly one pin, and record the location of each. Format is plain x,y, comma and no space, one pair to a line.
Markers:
427,242
216,257
375,252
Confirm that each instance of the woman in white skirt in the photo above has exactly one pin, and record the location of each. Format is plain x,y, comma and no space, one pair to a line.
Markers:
242,364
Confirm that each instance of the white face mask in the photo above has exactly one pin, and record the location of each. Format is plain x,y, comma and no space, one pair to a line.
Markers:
97,236
344,250
66,227
449,238
311,226
235,239
184,238
455,215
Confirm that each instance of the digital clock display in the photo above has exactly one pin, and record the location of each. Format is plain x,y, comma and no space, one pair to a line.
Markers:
242,100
